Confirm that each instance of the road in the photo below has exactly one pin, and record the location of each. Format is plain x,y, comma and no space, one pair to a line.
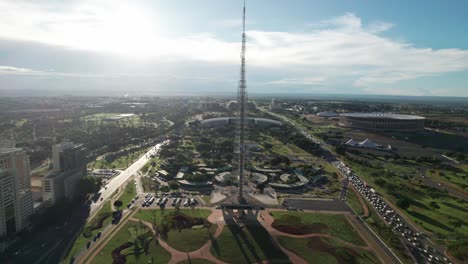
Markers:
333,159
119,180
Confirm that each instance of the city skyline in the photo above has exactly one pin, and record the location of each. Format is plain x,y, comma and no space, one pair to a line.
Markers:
85,47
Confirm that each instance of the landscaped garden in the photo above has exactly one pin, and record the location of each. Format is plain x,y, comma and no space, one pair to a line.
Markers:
326,250
184,230
134,243
102,219
353,201
129,193
300,223
248,244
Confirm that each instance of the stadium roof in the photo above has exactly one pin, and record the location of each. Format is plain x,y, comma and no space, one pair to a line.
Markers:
383,115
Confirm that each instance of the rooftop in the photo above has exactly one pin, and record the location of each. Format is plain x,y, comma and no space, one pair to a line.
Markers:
384,116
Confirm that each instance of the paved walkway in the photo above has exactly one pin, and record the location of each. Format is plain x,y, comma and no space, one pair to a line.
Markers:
267,221
201,253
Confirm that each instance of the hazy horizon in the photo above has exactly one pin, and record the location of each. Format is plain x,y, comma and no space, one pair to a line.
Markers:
192,47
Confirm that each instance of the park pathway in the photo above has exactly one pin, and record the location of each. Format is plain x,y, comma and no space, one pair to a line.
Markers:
201,253
267,221
108,238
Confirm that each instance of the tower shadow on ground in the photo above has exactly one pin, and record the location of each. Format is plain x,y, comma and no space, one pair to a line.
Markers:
253,239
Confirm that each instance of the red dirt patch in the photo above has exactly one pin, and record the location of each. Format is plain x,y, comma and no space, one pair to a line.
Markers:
317,228
117,257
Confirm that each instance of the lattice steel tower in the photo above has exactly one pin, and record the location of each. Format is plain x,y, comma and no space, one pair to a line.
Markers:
242,104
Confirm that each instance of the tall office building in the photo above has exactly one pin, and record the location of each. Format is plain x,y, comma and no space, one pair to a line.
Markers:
69,166
16,204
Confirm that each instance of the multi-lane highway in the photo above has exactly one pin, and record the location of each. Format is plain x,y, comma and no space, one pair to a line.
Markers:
115,183
429,253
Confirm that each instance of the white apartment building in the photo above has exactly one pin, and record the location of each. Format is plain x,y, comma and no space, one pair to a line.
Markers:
69,166
16,204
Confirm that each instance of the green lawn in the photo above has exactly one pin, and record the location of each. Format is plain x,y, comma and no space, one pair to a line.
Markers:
421,211
326,250
147,184
190,239
149,215
353,202
246,245
128,194
154,253
457,180
81,240
119,163
184,239
305,223
196,261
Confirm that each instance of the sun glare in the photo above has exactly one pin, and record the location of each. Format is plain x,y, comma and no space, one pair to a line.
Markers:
123,30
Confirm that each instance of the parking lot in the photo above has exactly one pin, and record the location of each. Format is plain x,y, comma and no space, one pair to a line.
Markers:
172,200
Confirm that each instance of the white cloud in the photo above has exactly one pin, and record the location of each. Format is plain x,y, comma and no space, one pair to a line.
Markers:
299,81
14,70
342,47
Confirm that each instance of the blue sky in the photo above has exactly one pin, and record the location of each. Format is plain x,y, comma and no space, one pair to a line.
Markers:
192,47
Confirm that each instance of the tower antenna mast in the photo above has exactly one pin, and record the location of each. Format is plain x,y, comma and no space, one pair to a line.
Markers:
242,103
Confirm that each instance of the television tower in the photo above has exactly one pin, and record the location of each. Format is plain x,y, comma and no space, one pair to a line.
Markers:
242,104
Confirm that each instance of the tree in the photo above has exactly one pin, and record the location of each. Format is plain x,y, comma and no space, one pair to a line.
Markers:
173,185
118,203
434,205
340,150
403,203
268,146
164,188
89,184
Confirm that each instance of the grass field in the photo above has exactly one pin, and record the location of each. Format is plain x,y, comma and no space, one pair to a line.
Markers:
353,202
190,239
128,194
421,211
120,163
151,252
457,180
326,250
249,244
127,121
308,223
196,261
183,239
81,240
149,215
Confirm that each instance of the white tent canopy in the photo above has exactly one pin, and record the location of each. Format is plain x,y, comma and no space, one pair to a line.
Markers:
368,144
351,142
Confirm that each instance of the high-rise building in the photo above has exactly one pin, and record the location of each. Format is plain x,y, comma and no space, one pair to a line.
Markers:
16,204
69,166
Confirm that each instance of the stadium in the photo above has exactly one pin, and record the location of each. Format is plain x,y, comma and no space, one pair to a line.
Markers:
382,121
